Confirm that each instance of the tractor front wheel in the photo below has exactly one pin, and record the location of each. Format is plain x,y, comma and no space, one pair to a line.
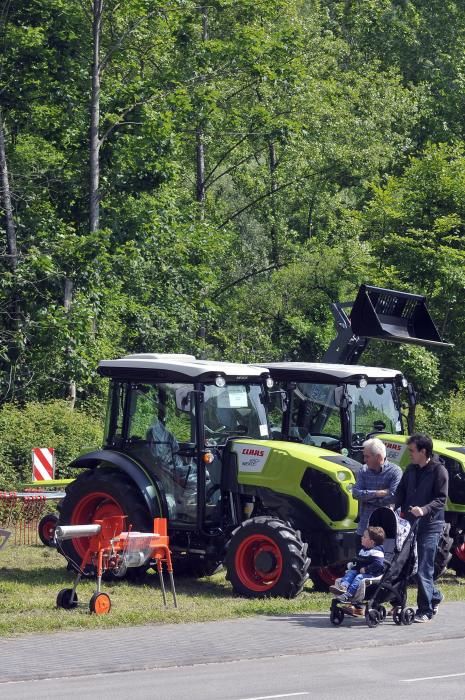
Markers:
266,557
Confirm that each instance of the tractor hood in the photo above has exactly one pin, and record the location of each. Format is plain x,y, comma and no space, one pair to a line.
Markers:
396,449
320,479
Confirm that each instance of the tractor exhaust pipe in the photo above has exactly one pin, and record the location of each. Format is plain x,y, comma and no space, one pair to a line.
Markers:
69,532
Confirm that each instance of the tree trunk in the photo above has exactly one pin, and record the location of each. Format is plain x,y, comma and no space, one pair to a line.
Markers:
67,301
95,143
200,170
273,163
14,310
6,201
200,188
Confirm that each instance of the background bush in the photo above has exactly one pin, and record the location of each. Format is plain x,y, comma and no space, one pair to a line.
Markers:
51,424
444,420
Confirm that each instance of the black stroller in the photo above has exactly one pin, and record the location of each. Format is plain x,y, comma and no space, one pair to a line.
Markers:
400,559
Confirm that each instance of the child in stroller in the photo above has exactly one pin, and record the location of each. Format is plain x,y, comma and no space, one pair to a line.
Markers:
368,564
391,585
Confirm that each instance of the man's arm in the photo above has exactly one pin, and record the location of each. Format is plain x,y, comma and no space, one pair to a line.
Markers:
441,486
359,490
394,477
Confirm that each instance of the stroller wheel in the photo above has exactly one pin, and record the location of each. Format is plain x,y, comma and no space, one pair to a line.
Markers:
382,613
336,616
408,616
397,616
372,617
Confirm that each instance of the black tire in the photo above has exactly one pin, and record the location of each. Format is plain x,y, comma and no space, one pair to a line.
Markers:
382,612
46,529
325,576
96,493
457,564
372,618
407,616
397,616
443,555
336,616
67,599
266,557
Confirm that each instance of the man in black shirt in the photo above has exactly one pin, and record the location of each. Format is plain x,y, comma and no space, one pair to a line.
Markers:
422,495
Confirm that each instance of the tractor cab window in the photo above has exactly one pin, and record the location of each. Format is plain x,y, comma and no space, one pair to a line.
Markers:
374,408
315,417
235,410
113,436
162,436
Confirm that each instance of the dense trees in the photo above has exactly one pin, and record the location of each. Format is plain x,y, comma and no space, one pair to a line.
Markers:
207,176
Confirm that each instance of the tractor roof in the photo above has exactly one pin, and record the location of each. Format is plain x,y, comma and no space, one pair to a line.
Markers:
330,373
177,368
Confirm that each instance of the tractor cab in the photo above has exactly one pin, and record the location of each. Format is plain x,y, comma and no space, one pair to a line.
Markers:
337,407
177,417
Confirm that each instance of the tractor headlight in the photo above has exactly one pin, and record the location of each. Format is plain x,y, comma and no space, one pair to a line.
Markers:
404,382
269,382
342,476
220,381
362,383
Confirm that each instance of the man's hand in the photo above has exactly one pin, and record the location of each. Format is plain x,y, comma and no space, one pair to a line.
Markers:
416,511
382,493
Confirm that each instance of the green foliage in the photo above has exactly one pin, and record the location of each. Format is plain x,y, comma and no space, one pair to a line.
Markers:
444,419
51,424
258,160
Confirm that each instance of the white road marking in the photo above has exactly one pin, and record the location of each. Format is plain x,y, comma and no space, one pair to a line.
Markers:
431,678
281,695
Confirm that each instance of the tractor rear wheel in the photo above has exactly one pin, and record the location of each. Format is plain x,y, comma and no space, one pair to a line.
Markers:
266,557
96,494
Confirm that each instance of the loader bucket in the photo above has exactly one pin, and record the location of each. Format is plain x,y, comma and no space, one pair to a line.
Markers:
390,315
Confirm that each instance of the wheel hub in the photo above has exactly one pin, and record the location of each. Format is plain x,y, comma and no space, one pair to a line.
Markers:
265,562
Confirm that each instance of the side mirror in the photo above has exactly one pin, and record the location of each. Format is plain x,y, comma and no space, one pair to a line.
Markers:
341,397
183,399
379,426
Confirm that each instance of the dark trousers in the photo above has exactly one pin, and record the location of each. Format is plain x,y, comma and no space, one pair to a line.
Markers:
428,595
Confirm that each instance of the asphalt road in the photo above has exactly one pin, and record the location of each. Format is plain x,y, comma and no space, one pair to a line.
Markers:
259,658
431,669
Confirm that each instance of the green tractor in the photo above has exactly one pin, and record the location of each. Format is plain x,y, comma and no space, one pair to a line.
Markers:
337,404
189,440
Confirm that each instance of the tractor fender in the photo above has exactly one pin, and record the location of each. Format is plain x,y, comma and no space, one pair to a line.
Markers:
147,484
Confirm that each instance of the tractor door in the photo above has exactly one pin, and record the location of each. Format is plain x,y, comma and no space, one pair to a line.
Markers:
164,439
313,415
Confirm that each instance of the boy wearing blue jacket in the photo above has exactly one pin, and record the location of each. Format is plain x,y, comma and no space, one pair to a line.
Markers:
369,563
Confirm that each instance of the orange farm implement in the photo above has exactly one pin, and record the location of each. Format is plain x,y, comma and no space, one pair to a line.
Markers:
112,550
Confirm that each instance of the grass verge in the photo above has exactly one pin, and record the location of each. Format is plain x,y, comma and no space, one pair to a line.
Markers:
31,577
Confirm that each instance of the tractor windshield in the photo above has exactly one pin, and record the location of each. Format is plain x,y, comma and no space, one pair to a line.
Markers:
374,408
235,410
315,418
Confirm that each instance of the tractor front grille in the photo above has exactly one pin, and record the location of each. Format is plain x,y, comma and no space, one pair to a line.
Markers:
325,492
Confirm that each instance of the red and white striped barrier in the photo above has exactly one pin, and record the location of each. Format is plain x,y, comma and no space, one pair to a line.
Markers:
43,463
